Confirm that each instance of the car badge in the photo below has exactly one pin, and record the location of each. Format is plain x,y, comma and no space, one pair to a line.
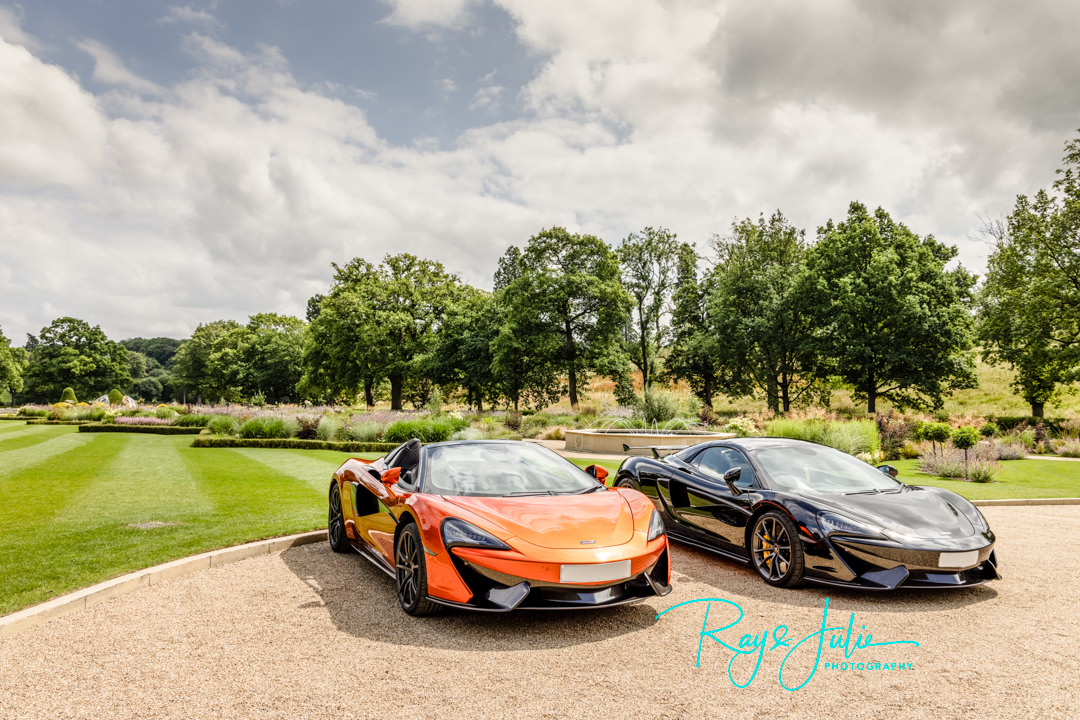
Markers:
588,542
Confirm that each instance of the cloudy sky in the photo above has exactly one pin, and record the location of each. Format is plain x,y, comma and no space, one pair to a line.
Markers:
166,164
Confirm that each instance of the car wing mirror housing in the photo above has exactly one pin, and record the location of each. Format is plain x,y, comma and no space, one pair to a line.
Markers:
731,477
597,472
889,470
391,476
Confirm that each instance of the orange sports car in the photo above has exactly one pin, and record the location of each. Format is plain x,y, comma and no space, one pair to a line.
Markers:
497,525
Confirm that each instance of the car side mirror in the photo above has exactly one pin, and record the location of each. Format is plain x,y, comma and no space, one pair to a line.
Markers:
391,476
889,470
730,477
597,472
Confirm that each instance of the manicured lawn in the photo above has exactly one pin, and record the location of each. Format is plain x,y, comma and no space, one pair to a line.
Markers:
68,502
1018,479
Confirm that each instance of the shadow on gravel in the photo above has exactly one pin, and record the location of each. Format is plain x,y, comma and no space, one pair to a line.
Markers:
735,581
362,601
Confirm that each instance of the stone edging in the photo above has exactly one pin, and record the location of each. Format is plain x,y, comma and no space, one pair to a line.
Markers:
88,597
1027,501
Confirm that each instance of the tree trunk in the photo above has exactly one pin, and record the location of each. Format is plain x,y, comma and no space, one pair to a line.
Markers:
642,325
479,400
1036,409
707,392
785,394
395,391
871,401
772,394
369,392
571,355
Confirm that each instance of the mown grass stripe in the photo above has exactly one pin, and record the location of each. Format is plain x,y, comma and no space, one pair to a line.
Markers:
53,441
10,427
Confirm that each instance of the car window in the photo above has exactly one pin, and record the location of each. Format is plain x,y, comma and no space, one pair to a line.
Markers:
716,461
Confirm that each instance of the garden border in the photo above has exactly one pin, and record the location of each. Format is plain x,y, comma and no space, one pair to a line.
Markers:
149,429
205,441
88,597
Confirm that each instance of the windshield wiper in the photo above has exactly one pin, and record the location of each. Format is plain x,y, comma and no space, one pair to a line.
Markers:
525,493
597,488
873,491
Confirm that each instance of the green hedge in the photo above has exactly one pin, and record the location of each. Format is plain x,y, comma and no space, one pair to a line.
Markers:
7,416
59,422
1007,423
151,429
291,444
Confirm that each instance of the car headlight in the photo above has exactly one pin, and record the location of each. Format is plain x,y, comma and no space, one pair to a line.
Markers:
458,533
832,523
656,526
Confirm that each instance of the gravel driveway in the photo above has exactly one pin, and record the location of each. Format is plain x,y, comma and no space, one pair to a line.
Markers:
309,634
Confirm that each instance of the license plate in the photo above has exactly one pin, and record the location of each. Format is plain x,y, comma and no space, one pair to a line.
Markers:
601,572
958,560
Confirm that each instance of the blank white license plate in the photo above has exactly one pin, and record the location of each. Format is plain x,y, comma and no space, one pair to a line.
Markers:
958,560
602,572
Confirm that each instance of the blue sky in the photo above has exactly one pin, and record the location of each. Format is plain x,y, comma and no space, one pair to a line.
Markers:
164,164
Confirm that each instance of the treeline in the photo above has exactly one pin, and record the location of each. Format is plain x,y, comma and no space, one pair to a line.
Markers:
767,312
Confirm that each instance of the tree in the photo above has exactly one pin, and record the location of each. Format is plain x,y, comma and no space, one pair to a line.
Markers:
896,322
13,362
649,261
376,323
462,354
760,316
696,355
161,349
1020,315
569,302
71,353
270,349
192,369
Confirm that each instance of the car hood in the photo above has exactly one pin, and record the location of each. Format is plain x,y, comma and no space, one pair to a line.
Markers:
558,521
912,513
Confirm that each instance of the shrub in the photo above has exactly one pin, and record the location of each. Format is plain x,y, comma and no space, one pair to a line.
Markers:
115,397
982,471
469,433
264,427
894,432
231,442
362,432
965,438
426,430
1011,451
165,413
989,430
657,406
1069,447
192,420
223,425
33,412
937,433
434,403
742,427
532,425
328,428
852,436
558,432
68,396
141,421
943,464
307,427
157,429
908,452
513,420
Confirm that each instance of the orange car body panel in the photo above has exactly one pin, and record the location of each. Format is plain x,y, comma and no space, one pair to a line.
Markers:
545,532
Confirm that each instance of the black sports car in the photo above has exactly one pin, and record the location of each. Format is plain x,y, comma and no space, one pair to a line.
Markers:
797,511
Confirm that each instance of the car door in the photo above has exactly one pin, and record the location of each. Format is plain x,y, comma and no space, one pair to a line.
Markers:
702,500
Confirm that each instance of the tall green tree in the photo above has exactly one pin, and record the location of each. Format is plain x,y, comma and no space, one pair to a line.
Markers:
13,362
758,314
377,322
649,261
161,349
197,378
71,353
462,354
896,321
270,349
569,305
1029,305
697,356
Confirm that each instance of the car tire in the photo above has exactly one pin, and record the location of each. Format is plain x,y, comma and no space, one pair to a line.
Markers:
335,523
626,482
776,551
411,572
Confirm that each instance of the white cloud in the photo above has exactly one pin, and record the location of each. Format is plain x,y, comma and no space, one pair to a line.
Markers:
427,14
189,15
11,28
110,69
149,210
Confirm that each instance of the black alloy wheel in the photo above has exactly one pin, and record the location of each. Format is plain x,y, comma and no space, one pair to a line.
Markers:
335,524
777,551
412,573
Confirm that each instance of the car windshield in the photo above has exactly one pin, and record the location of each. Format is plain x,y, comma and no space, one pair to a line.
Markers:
817,468
502,469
